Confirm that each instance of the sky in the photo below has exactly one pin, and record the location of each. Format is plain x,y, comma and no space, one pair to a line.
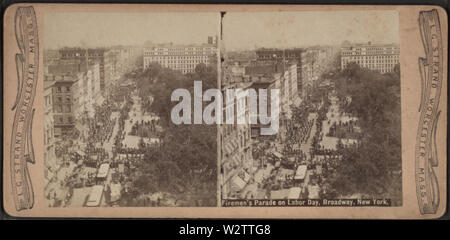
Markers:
246,31
241,30
107,29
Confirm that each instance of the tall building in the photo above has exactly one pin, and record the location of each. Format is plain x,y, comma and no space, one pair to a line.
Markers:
58,103
236,160
379,57
276,75
59,120
50,57
118,61
212,40
183,58
65,68
87,92
293,55
315,62
85,57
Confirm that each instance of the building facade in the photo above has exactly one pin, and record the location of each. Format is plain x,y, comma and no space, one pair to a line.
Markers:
293,55
58,102
87,92
58,120
118,61
236,160
183,58
65,68
315,62
277,75
86,57
51,57
237,165
378,57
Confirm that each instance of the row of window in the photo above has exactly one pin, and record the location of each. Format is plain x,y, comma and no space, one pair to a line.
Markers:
349,53
395,56
387,62
62,89
177,67
67,55
383,68
189,65
62,108
377,66
57,100
179,48
176,53
63,119
48,135
149,60
200,56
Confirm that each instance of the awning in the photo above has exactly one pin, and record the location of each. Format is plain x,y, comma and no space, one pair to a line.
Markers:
238,182
234,143
236,159
301,172
244,175
228,148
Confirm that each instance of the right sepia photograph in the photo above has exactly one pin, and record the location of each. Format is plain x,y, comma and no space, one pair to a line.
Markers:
312,109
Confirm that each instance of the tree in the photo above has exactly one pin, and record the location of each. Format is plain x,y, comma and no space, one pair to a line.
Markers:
200,68
375,101
187,153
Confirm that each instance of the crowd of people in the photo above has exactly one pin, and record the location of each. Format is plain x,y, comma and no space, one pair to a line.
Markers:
83,152
145,128
343,129
302,146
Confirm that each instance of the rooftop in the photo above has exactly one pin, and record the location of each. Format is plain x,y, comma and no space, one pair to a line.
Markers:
50,80
171,45
266,67
369,44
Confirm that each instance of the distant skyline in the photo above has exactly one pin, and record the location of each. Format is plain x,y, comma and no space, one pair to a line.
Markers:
247,31
94,29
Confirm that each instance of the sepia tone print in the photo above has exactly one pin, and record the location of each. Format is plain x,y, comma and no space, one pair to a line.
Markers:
431,69
206,111
108,135
27,66
339,139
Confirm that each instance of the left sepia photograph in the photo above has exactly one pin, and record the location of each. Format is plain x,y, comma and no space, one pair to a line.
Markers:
108,133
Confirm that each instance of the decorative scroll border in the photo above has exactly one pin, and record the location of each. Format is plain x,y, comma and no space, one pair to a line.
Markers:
27,66
431,72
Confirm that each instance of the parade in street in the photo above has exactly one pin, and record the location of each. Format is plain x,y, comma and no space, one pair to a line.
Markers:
298,165
115,140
